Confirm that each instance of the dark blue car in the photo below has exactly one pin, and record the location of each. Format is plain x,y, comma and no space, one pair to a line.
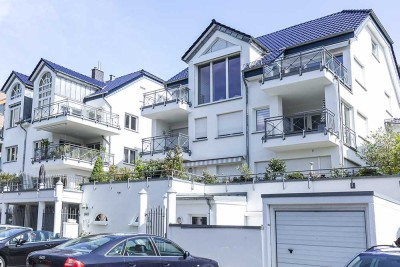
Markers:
379,256
133,250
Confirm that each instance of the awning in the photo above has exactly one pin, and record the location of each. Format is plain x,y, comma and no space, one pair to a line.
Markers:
213,161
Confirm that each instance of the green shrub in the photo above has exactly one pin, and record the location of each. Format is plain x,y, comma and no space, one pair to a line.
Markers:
295,175
368,172
276,167
209,178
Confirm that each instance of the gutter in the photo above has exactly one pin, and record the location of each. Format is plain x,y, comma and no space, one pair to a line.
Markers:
247,121
109,137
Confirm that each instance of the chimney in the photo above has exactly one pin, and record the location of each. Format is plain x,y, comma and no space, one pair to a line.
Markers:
98,74
112,77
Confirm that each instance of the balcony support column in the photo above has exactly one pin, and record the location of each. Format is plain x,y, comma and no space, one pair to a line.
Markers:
4,208
58,208
142,211
41,208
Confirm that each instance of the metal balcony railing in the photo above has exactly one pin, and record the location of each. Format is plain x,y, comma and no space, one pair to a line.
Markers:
71,152
164,143
349,137
306,62
302,123
77,109
165,96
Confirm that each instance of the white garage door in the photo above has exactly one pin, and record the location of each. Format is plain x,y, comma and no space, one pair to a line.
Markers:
319,238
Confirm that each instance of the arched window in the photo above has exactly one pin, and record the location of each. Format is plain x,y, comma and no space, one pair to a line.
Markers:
101,218
45,89
16,91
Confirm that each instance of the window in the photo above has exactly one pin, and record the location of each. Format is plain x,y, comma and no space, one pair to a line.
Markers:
167,248
219,44
359,74
220,80
129,156
388,104
200,126
16,91
45,84
130,122
14,115
12,153
101,218
139,247
230,124
72,90
96,146
116,251
199,220
339,57
346,113
375,49
261,115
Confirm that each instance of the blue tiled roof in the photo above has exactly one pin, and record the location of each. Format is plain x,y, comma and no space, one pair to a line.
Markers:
24,78
180,76
310,31
119,82
74,74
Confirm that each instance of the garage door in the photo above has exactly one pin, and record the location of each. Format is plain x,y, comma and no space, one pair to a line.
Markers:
319,238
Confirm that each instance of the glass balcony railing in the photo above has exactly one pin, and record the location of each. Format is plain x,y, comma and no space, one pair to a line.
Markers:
77,109
71,152
164,143
306,62
300,124
165,96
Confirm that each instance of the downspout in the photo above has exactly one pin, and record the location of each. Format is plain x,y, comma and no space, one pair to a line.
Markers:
247,121
341,134
24,154
109,137
209,210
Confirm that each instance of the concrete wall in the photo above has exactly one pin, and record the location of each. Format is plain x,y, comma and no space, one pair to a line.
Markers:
229,246
387,221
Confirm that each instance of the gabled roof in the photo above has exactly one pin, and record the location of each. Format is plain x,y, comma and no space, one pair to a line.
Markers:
114,85
58,68
183,75
216,26
22,77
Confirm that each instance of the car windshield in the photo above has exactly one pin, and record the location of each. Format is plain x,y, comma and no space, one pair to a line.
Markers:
86,243
378,260
5,233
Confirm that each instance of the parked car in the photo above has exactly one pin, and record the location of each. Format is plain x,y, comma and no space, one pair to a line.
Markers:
17,242
117,250
9,226
378,256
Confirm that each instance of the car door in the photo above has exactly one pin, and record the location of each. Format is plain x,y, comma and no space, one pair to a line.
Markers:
114,257
139,252
19,247
171,254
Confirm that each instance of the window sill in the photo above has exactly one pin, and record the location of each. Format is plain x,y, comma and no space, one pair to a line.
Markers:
257,132
128,164
101,223
230,135
135,131
200,140
219,101
360,84
6,162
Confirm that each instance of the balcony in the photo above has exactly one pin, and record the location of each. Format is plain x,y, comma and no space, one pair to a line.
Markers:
167,104
66,156
349,138
312,129
159,145
76,119
304,71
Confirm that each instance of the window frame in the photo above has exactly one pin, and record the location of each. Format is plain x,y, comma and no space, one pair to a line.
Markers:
16,91
45,89
234,133
130,122
195,129
256,117
13,120
210,64
9,153
167,241
135,156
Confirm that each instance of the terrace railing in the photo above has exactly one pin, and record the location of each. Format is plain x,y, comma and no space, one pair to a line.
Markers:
165,96
76,109
302,123
349,137
306,62
164,143
71,152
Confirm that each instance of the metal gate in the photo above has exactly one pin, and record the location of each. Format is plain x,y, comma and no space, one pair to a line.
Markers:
156,223
69,213
48,219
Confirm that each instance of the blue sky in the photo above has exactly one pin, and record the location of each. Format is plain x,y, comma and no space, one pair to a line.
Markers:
126,36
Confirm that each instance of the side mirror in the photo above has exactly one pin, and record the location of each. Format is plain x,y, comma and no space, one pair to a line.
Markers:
20,242
186,254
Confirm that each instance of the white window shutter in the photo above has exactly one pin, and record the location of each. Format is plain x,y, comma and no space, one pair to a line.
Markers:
201,128
230,123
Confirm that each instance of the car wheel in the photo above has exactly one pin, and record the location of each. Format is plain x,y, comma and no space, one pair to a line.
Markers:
2,262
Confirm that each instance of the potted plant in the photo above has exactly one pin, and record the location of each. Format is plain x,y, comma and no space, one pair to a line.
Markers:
276,169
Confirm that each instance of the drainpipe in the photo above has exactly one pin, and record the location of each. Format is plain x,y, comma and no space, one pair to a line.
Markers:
209,210
247,121
341,134
24,154
109,137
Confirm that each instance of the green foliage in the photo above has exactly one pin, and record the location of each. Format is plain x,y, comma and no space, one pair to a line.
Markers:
209,178
173,160
336,173
295,175
98,173
276,167
7,177
368,172
245,171
382,150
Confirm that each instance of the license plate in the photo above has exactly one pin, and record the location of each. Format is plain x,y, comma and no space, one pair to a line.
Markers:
40,265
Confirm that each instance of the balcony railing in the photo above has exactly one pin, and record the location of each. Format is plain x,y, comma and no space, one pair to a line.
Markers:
71,152
80,110
165,96
306,62
349,137
299,124
164,143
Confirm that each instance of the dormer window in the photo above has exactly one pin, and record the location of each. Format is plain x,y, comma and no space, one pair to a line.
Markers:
45,89
219,80
16,91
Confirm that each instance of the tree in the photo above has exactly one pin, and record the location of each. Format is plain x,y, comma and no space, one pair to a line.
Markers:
173,161
98,173
382,150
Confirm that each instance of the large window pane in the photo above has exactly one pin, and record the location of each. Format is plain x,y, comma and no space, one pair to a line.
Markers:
204,84
234,76
261,115
126,121
219,80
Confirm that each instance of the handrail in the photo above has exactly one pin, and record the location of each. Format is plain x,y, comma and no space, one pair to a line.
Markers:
166,95
164,143
300,123
74,108
350,137
72,152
